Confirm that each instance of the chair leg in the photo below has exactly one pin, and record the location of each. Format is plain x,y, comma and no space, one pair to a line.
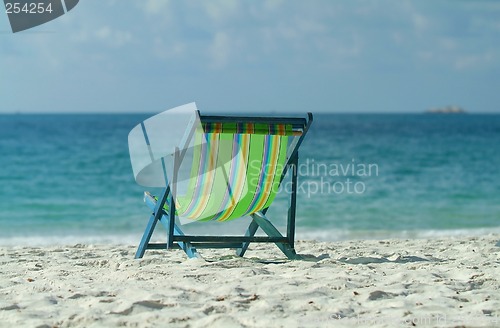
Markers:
171,226
146,237
157,213
252,229
290,230
271,231
190,250
187,247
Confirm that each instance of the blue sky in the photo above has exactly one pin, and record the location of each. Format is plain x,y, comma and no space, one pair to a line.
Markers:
281,55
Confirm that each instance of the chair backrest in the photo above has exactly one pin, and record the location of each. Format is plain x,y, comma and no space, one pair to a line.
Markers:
216,167
236,171
238,167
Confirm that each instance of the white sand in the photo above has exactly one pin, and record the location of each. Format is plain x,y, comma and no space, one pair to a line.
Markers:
438,283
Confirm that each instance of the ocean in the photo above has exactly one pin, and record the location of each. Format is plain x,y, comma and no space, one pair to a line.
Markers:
68,178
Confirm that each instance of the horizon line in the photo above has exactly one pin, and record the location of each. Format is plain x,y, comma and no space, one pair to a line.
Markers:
248,112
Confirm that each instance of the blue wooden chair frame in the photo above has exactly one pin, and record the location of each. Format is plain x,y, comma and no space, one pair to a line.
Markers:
190,243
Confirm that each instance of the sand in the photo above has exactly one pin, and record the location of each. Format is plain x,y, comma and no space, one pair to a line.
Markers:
392,283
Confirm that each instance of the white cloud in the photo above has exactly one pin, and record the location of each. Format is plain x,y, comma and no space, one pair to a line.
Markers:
115,38
420,23
220,10
473,61
272,5
164,50
220,49
103,33
155,6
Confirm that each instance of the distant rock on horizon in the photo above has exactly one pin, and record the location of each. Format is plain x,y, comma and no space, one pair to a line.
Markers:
446,110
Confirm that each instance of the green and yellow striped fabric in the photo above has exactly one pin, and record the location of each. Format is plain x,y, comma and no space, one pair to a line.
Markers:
236,170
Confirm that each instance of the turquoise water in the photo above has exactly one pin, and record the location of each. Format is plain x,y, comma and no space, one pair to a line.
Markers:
68,178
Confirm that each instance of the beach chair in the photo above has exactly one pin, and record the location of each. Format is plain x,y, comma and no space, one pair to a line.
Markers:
237,164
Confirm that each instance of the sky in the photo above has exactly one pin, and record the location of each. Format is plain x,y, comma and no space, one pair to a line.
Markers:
256,56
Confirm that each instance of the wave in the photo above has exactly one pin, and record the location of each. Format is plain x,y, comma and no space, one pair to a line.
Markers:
332,235
343,234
